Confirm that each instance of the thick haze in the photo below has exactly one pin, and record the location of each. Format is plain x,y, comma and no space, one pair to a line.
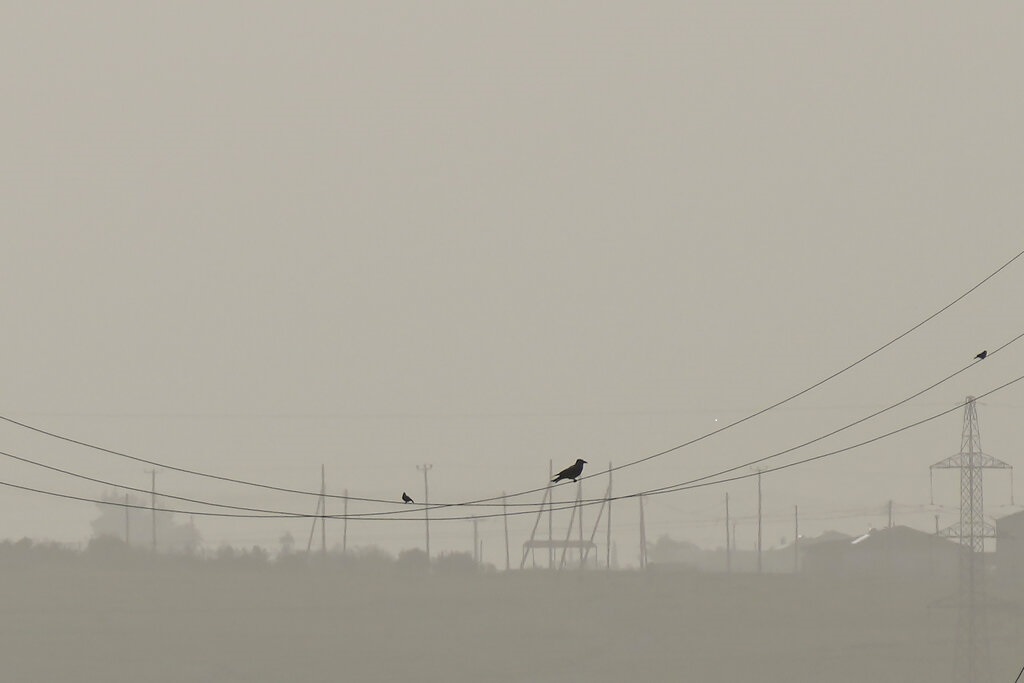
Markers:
252,238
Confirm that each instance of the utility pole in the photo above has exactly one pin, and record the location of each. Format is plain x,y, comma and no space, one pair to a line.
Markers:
551,514
344,533
323,513
127,522
796,539
643,537
759,565
476,543
504,515
728,544
426,503
890,513
152,505
579,497
608,537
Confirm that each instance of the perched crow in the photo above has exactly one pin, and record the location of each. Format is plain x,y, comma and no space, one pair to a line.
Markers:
571,472
406,498
981,356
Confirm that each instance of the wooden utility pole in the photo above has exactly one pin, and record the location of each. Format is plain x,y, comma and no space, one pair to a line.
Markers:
504,515
643,537
608,536
890,513
551,515
152,505
476,543
759,564
426,502
796,539
323,513
579,497
728,541
344,533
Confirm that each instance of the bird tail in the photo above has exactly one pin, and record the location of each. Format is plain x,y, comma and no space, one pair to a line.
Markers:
556,480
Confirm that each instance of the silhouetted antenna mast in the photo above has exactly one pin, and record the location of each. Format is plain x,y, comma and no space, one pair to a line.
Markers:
971,654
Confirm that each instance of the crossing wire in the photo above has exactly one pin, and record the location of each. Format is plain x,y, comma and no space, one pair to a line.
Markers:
505,497
441,505
702,482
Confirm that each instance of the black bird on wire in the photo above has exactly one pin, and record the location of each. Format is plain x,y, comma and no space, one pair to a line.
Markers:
571,472
981,356
406,498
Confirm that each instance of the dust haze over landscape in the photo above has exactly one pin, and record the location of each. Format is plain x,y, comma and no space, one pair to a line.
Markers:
361,246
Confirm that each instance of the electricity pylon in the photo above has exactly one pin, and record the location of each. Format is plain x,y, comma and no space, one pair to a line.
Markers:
971,651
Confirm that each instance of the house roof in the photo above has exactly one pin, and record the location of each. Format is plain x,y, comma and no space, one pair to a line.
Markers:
900,535
1013,518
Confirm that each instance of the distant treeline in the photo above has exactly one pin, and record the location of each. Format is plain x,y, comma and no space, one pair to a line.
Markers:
111,552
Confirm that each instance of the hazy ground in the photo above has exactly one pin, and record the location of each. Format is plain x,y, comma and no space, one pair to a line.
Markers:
201,624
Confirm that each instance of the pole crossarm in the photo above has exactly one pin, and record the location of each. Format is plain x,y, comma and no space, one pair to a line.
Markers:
971,460
986,530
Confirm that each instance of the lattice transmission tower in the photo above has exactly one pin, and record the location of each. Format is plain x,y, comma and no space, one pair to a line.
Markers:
972,650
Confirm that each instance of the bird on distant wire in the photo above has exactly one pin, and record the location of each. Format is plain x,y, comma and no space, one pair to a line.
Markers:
406,498
571,472
981,356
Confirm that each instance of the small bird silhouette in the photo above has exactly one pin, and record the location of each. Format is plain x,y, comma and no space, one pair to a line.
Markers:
571,472
406,498
981,356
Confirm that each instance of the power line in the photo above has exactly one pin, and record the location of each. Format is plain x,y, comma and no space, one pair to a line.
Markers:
695,440
126,487
863,419
705,481
425,509
807,389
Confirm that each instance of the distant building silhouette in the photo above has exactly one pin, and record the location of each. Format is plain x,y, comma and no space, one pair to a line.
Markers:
894,551
1009,553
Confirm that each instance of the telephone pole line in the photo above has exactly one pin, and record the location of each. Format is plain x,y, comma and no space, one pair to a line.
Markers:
426,503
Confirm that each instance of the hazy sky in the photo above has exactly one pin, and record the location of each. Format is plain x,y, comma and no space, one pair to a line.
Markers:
252,238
